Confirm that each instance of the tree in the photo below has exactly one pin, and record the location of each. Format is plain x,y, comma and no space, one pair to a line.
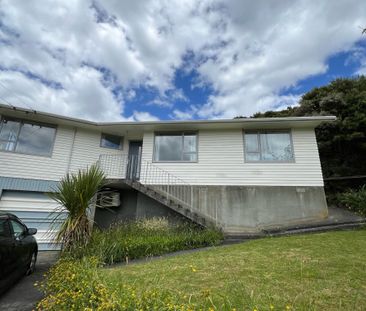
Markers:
75,193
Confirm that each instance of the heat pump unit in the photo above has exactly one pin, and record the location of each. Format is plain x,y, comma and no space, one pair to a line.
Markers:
107,199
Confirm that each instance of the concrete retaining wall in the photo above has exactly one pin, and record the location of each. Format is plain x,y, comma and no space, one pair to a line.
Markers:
242,209
237,209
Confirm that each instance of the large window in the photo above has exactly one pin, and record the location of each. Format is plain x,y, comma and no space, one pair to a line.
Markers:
26,137
111,141
270,146
176,147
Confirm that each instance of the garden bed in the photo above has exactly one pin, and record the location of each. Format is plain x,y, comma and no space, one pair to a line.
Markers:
145,238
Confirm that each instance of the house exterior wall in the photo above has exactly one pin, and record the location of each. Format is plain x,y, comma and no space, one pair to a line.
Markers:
72,150
241,196
221,161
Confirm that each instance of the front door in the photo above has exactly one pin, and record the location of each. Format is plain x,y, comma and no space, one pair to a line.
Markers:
134,160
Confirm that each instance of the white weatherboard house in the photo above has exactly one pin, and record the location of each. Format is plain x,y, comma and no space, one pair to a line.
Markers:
243,175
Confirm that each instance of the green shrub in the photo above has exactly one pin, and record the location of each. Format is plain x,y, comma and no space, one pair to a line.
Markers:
355,200
145,238
74,194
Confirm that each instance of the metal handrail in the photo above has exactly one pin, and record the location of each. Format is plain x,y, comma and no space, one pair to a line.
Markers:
114,165
166,183
134,168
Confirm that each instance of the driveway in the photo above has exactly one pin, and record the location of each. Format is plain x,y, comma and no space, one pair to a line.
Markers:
23,296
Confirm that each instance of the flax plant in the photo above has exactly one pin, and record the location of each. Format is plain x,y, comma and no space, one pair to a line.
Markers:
75,194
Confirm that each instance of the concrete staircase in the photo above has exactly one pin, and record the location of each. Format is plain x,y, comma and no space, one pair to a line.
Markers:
172,203
156,183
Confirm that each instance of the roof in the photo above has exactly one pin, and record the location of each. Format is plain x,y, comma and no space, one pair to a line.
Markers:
118,127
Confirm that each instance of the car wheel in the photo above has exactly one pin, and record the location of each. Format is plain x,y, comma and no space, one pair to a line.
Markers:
32,263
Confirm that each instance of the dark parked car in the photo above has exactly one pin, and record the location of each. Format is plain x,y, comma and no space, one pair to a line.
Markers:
18,250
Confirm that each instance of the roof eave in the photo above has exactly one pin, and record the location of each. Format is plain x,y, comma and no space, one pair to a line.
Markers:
244,122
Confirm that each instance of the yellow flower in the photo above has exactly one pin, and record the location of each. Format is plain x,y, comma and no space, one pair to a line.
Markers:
271,307
288,307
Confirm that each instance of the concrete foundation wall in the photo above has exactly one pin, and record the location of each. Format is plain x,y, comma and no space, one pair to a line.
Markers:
237,209
134,205
240,209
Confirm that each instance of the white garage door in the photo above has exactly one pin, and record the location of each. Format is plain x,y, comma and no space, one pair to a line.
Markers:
35,209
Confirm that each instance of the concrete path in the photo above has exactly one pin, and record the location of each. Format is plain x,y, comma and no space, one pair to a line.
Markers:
23,296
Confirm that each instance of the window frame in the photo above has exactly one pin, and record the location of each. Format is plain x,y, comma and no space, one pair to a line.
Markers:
268,131
22,121
182,134
122,140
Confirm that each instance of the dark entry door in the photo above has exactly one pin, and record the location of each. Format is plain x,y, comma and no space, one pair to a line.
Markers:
134,160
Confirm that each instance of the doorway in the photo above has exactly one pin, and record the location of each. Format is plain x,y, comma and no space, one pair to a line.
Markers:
134,160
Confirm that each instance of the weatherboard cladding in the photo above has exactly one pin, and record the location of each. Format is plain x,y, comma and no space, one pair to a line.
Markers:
221,161
83,152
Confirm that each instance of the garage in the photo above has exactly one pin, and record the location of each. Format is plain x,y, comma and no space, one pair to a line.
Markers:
36,210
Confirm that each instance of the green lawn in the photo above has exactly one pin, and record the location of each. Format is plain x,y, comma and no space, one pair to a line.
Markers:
324,271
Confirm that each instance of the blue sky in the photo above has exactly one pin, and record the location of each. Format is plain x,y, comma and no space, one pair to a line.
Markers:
150,60
340,65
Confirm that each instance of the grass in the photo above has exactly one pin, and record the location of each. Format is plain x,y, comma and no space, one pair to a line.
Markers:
311,272
324,271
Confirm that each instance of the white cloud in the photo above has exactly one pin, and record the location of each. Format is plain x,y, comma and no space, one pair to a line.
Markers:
182,115
144,116
84,58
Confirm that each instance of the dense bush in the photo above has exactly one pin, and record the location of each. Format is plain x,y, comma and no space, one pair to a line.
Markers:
355,200
145,238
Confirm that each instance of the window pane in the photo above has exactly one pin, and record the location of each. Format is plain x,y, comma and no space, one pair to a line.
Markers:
7,145
111,141
17,228
35,139
8,135
276,147
190,143
251,143
253,157
192,157
168,148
